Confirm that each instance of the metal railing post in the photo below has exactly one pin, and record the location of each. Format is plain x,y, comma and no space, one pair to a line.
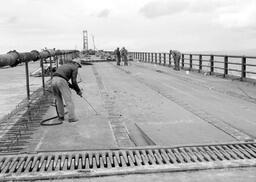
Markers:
152,57
243,68
225,66
211,64
51,66
42,70
160,58
182,61
27,80
155,58
164,59
57,61
170,59
190,62
200,63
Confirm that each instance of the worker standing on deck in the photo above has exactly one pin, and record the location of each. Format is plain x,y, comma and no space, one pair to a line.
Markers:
61,88
176,57
118,56
124,56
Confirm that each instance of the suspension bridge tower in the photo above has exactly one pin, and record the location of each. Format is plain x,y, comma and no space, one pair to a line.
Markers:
85,40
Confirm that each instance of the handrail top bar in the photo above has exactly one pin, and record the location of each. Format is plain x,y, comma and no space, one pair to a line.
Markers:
13,58
198,54
220,55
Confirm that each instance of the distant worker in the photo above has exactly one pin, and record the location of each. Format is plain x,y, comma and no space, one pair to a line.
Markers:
124,54
176,57
118,56
61,88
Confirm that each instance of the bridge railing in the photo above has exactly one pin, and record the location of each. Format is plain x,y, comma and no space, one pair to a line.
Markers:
242,67
14,58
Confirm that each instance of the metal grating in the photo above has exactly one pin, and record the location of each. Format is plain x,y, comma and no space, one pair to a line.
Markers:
50,165
17,127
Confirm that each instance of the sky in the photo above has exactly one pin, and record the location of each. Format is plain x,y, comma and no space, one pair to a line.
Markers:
139,25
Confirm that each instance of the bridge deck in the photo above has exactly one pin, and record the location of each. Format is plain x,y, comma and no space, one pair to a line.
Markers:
144,104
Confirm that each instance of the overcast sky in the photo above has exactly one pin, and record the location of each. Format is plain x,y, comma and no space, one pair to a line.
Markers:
140,25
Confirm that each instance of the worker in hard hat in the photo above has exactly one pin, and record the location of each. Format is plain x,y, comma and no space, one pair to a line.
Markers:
61,88
176,57
124,53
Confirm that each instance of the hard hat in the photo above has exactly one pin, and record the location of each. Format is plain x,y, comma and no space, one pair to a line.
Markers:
78,61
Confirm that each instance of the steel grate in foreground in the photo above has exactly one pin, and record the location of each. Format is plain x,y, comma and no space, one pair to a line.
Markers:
48,165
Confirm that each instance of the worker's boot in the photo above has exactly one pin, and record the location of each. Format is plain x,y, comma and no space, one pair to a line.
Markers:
61,118
72,120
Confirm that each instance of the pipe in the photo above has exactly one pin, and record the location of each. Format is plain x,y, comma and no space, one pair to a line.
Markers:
9,59
13,58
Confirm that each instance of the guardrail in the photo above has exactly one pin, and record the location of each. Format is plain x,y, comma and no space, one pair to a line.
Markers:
242,67
13,58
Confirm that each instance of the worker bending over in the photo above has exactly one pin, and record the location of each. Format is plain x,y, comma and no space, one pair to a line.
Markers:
176,57
61,88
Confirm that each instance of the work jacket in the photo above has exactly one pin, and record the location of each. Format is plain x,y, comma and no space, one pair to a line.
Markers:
117,53
69,71
176,54
124,52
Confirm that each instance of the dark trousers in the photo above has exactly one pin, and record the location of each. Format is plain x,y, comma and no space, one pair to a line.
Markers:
125,60
118,60
177,63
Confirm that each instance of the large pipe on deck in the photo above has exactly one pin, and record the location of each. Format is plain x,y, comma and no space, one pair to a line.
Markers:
13,58
9,59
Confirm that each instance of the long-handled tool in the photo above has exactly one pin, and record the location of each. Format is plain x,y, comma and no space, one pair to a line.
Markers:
90,105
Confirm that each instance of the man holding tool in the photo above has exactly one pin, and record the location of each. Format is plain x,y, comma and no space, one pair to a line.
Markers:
61,88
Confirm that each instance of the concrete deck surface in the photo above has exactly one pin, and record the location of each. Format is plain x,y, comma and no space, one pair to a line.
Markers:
131,108
143,101
13,86
222,175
